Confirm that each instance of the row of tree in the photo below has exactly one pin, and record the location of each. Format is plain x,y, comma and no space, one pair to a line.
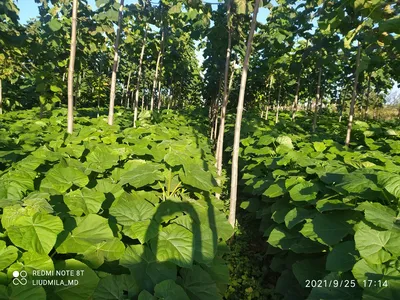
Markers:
308,54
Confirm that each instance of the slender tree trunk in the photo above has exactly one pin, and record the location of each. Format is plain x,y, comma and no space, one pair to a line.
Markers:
277,104
235,154
317,99
136,104
1,98
214,111
157,70
114,70
367,98
220,141
159,95
70,115
269,99
296,97
354,96
126,89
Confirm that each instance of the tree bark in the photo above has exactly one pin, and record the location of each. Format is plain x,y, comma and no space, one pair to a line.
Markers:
296,97
236,143
114,70
353,98
70,114
136,104
220,141
317,99
159,95
1,98
367,98
160,52
277,104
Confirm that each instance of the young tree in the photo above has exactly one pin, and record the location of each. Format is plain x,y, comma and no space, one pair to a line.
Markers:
239,112
70,116
114,69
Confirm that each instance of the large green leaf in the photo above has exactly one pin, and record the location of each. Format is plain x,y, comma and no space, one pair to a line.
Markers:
374,245
342,257
390,182
196,177
85,201
60,178
174,244
83,237
116,287
198,284
304,191
101,158
86,277
128,209
37,233
380,215
141,174
7,255
169,290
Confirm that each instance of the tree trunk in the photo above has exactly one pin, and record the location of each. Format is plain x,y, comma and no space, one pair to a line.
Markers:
353,98
70,115
296,97
277,105
114,70
126,91
157,70
214,111
1,98
220,141
269,99
236,143
159,95
317,99
136,104
367,98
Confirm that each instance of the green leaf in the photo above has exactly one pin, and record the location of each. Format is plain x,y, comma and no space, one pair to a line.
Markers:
296,216
116,287
330,228
365,271
342,257
37,233
169,290
145,268
88,280
379,215
143,174
145,295
319,146
111,250
285,239
332,204
55,25
304,191
83,236
174,244
198,284
390,182
85,201
128,209
276,189
142,230
55,89
7,255
196,177
285,141
372,244
309,269
60,178
101,158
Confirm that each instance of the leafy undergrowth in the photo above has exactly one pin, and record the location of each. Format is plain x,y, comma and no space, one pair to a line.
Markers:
250,275
131,211
330,215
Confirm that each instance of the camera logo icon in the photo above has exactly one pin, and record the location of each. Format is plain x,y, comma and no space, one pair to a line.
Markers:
20,278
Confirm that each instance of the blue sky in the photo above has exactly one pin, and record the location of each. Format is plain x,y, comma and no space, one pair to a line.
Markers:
29,9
